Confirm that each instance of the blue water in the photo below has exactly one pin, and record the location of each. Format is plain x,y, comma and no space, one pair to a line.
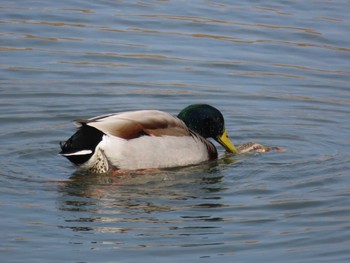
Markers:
278,71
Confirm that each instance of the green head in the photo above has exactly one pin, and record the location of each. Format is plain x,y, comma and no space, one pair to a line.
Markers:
208,122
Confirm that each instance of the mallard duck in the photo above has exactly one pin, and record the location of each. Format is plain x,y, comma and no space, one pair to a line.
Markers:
147,139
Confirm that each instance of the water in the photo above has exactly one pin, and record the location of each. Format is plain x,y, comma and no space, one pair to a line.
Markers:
279,72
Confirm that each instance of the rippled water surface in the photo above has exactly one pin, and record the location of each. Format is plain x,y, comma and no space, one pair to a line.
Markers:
279,72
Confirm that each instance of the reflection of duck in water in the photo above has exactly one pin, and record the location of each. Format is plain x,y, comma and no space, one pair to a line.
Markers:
149,139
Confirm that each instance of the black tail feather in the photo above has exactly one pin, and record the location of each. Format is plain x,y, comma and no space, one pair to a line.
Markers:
84,140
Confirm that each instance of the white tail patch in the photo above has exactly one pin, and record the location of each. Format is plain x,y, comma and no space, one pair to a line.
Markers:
82,152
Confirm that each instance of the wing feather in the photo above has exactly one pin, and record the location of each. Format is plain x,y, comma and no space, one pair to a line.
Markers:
129,125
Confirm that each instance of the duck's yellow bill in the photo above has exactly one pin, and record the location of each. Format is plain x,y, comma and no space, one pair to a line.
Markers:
226,143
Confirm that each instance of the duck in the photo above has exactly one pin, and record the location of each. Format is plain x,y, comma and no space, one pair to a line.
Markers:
147,139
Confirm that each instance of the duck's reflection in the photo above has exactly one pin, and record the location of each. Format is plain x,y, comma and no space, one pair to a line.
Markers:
95,202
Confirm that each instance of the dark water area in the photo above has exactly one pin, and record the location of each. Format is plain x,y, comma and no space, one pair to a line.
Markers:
278,71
